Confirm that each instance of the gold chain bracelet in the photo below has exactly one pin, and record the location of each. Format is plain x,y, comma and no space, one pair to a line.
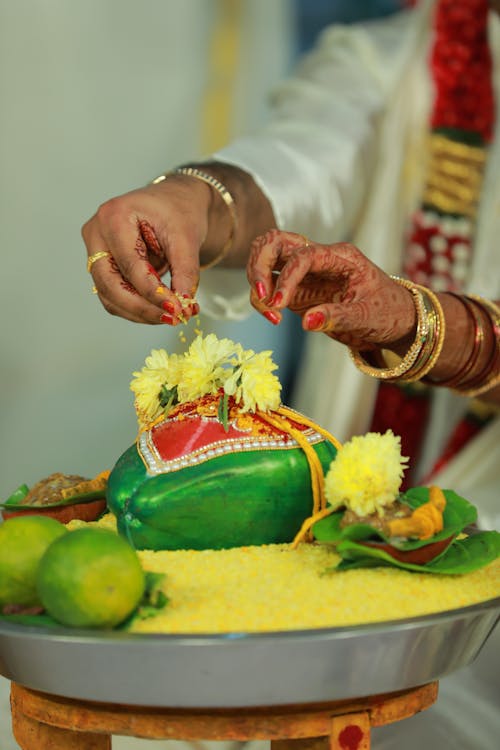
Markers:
224,193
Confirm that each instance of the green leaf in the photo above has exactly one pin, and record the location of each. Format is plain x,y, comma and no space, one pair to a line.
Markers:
462,556
42,620
167,397
85,497
457,514
153,600
223,411
16,496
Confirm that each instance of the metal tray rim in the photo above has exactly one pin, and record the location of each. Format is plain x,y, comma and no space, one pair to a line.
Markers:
345,631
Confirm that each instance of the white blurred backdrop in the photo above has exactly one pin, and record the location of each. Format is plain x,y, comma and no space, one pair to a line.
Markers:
97,98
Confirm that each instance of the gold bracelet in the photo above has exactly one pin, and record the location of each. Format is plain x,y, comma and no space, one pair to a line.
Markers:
433,346
405,365
224,194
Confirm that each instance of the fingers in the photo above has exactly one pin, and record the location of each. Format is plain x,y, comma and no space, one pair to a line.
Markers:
335,288
288,270
128,279
351,324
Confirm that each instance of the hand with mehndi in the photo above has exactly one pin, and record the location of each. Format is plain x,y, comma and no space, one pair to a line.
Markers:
134,239
334,288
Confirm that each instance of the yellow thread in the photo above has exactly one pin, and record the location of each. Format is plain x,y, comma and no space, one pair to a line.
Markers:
308,524
315,467
291,414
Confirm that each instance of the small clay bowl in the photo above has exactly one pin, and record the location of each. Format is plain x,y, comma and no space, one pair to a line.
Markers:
419,556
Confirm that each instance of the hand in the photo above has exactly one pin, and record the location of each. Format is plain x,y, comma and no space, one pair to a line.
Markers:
334,288
148,232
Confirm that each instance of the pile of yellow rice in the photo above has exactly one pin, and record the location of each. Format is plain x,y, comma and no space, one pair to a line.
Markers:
275,587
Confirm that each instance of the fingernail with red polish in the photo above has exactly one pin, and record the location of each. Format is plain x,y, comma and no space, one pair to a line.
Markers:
315,321
276,300
260,289
168,306
196,308
272,317
167,319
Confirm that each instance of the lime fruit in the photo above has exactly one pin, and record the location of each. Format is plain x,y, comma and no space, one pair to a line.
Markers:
91,578
23,541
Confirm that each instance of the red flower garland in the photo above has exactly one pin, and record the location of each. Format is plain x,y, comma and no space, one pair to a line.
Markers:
461,68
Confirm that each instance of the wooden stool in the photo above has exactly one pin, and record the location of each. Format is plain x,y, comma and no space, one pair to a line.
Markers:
49,722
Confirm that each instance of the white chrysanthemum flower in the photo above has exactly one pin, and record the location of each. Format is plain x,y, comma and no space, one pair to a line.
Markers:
366,474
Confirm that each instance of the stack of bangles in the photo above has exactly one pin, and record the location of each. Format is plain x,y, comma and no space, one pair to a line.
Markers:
423,354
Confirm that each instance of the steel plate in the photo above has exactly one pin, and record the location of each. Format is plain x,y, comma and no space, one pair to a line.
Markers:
245,669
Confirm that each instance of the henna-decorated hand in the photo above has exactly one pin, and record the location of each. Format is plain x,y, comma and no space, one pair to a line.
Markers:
148,232
334,288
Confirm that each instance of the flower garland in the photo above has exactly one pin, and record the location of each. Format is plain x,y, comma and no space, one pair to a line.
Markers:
439,244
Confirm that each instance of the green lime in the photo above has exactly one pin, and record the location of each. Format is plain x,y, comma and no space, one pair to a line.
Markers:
23,541
90,578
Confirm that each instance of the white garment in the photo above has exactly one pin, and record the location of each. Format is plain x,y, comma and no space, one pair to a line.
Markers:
339,160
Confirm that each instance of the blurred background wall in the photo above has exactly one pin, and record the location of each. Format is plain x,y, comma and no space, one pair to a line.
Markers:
97,98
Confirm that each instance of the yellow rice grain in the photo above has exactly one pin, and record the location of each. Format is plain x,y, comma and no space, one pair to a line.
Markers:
275,587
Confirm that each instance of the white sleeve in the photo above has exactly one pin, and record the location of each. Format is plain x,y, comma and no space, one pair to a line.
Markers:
314,158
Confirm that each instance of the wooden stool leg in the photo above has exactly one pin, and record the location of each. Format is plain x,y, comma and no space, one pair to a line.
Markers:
350,732
33,735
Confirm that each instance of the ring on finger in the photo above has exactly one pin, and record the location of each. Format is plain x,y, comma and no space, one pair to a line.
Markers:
96,256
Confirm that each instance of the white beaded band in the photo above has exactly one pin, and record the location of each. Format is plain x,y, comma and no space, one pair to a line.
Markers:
224,194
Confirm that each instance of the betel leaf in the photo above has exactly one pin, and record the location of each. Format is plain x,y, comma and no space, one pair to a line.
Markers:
457,514
17,496
84,497
42,620
462,556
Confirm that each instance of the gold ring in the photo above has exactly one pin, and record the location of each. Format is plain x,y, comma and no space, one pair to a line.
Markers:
96,256
305,240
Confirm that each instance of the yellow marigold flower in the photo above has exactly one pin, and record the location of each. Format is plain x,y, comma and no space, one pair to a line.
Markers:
366,474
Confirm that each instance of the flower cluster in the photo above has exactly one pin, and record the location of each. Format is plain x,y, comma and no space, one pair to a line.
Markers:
366,474
210,366
461,64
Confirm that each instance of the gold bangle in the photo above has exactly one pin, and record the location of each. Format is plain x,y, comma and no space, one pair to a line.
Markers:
433,346
405,365
224,193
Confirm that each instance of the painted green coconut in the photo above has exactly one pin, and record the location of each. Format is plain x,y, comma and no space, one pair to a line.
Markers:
191,482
